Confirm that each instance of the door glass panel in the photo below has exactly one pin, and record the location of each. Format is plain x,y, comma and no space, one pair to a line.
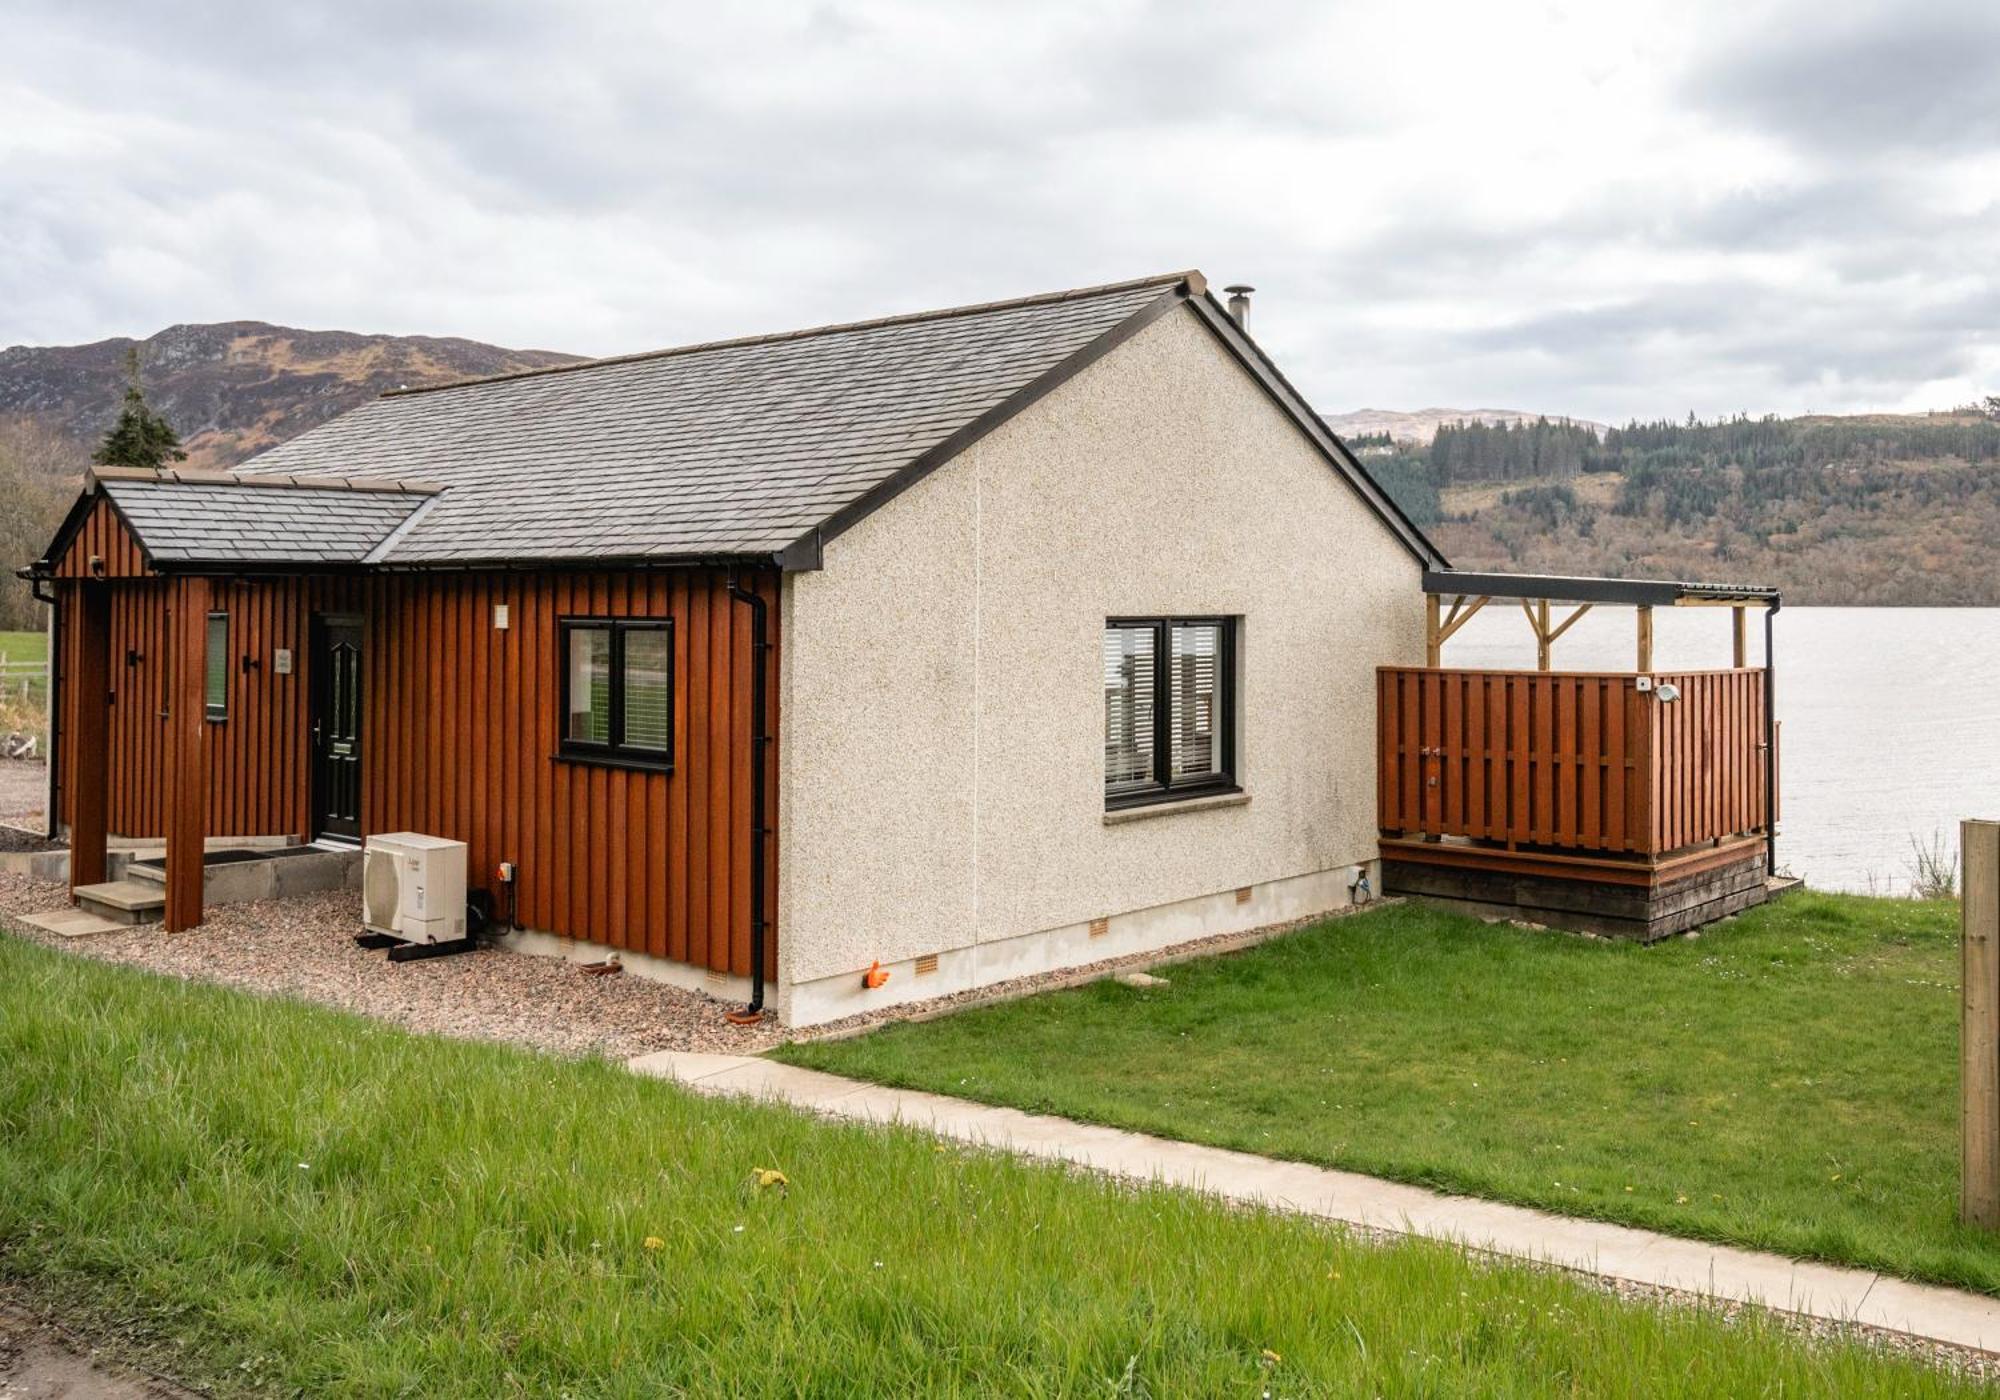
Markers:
215,677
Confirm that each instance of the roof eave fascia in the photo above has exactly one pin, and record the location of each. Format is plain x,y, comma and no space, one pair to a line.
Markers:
1252,357
806,553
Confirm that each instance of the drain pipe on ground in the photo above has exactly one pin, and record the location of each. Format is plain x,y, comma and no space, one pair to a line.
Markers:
760,738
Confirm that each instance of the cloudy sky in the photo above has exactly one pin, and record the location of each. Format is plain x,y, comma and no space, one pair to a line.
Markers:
1603,209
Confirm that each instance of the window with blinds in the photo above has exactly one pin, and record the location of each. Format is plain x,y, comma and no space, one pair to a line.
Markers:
1169,698
618,691
215,667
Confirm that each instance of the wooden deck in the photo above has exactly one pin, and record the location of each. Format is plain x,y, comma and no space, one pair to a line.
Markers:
1625,803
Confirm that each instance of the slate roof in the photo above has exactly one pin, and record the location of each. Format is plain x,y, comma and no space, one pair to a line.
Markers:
183,522
739,448
744,449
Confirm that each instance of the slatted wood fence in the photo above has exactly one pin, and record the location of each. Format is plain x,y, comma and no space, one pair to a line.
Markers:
1571,760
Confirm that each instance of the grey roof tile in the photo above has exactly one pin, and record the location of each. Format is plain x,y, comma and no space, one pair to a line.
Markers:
181,522
736,448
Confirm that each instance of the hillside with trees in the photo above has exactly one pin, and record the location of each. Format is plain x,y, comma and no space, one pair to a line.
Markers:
221,392
1874,510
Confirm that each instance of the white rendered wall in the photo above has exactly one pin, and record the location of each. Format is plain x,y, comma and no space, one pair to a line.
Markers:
942,731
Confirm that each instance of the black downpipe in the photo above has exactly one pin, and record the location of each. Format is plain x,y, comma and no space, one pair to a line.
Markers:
760,738
1770,742
52,691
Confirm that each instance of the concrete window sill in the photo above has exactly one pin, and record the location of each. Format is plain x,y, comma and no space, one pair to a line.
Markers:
1172,809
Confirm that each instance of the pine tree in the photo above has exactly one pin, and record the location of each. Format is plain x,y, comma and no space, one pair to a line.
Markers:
140,437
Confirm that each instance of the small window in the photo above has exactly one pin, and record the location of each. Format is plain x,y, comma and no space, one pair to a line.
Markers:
618,691
1169,708
215,676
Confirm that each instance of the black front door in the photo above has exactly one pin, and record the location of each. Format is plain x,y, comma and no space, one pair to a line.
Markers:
336,726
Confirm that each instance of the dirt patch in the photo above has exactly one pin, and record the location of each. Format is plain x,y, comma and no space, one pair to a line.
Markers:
41,1361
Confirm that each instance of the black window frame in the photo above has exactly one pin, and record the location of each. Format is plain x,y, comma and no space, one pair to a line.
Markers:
614,753
210,709
1164,787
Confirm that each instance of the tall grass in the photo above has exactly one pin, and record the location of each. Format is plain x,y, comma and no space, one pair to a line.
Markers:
1933,868
286,1200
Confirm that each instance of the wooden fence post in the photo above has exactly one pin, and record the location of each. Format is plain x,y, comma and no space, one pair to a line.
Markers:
1979,1034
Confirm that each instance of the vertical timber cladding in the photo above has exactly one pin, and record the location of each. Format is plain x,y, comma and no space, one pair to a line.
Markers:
462,730
256,777
459,739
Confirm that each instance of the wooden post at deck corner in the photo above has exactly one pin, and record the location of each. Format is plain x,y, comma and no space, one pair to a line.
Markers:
186,753
1742,635
1645,611
1979,1031
1433,632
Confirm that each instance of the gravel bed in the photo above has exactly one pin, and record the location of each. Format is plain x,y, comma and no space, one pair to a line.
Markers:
304,948
15,839
23,785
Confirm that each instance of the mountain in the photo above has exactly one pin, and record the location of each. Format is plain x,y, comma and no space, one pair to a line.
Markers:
236,387
1422,425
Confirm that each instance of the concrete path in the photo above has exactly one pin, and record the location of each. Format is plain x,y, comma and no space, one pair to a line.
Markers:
1610,1251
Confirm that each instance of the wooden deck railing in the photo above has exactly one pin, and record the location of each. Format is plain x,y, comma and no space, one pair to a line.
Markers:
1569,760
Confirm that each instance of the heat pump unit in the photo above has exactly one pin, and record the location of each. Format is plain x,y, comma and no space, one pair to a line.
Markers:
413,887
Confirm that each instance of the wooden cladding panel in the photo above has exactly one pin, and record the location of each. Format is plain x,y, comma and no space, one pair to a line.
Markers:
1710,757
1578,761
102,536
459,736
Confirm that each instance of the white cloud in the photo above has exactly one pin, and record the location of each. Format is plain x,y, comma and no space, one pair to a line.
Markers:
1604,210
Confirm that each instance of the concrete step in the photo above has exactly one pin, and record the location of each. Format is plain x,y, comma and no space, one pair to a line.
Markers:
146,872
72,923
123,901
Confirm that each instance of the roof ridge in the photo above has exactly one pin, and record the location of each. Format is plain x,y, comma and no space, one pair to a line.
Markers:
202,476
1191,277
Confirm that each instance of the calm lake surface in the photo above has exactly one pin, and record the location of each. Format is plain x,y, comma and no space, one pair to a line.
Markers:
1891,718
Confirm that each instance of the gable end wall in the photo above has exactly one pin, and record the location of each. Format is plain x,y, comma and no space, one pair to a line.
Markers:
943,744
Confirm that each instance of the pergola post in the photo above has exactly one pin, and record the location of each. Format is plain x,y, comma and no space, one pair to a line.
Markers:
1433,632
1742,635
87,695
187,752
1645,612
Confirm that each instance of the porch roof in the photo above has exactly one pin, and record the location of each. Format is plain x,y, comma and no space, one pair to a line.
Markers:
182,519
1566,588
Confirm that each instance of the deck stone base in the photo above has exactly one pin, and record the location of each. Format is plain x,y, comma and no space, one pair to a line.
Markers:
1644,913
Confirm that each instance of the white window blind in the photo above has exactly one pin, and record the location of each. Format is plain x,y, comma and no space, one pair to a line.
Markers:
1129,672
1197,659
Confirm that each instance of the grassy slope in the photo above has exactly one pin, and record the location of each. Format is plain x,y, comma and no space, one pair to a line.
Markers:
1788,1081
24,646
285,1199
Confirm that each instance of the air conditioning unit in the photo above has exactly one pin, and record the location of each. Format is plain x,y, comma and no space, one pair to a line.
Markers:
413,887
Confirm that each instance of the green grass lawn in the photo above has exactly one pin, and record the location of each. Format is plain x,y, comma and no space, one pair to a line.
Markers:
24,646
1787,1081
276,1198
